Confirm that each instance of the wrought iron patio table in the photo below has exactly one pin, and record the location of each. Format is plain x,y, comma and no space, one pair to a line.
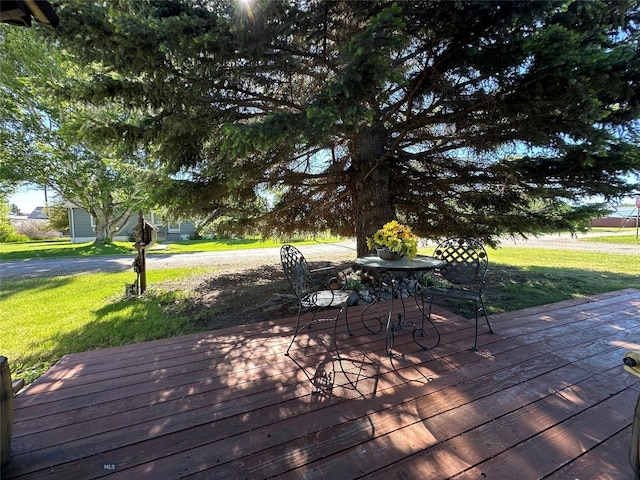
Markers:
383,271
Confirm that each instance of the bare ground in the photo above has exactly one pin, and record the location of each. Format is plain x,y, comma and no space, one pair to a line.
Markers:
242,290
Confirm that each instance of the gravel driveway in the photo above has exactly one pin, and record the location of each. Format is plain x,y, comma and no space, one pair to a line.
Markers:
226,260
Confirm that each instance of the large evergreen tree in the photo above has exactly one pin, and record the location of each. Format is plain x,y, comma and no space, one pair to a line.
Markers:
470,118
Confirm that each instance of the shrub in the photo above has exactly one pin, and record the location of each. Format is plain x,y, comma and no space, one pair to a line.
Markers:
13,238
36,229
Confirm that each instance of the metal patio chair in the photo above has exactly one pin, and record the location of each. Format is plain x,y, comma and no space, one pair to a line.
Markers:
315,290
462,277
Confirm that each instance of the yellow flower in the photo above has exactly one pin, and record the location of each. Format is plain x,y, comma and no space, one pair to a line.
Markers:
397,237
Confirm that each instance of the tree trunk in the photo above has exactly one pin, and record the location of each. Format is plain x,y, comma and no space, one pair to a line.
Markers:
372,199
103,235
104,226
108,227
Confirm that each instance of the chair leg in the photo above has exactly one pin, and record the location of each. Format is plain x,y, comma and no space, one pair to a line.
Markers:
299,329
335,335
295,333
346,319
475,339
484,310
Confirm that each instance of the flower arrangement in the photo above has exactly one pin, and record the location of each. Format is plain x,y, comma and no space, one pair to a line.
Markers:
396,237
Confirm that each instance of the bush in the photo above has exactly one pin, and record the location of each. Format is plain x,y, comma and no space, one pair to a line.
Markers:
8,233
36,230
13,238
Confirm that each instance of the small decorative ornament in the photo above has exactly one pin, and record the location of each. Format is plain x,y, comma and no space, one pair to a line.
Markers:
396,238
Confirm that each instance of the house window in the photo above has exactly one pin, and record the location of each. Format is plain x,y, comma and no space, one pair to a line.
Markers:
93,221
173,227
156,219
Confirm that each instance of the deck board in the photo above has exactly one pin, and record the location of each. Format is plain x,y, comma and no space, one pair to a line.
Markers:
545,397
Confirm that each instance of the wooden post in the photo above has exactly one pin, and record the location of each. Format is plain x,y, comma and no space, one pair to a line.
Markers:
146,236
6,410
141,261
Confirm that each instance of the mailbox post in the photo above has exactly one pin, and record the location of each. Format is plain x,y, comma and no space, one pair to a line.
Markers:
146,236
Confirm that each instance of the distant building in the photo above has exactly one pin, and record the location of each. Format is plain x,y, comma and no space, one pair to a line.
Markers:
39,213
82,227
623,217
35,225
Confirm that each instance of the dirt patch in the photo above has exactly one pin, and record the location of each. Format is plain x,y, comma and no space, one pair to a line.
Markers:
235,295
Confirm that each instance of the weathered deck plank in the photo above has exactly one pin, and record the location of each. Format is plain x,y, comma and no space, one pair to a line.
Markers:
544,397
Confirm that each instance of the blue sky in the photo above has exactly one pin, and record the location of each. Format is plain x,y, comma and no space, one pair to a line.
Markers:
28,198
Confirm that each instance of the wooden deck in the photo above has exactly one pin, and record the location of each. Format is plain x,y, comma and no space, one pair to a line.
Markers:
545,397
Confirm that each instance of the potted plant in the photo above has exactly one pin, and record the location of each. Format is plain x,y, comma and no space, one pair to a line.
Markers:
393,241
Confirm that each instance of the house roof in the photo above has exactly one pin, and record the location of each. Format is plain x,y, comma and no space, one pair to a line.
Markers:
38,213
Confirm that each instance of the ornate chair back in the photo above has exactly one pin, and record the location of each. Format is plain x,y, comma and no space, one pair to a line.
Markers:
466,261
296,270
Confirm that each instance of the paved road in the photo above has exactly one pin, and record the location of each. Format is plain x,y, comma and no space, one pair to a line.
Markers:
248,258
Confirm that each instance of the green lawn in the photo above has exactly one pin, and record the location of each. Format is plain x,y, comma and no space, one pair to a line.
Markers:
64,248
61,248
623,236
237,244
45,318
526,277
614,239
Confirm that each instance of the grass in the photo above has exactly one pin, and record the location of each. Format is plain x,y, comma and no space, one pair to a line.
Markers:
64,248
527,277
624,236
531,258
43,319
61,248
615,239
235,244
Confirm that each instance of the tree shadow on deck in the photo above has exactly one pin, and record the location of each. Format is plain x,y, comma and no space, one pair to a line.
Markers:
228,403
351,375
